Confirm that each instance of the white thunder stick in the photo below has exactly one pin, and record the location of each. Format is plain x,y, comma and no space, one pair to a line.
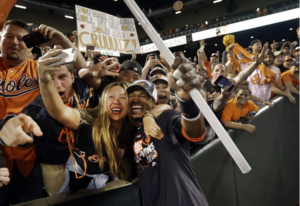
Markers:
195,94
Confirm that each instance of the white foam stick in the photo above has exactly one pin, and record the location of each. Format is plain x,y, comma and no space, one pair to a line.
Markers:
195,94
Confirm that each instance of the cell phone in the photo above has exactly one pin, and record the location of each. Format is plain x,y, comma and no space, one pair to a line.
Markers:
222,82
251,114
296,72
90,47
34,38
67,56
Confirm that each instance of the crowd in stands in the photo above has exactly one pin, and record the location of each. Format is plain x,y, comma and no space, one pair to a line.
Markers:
80,125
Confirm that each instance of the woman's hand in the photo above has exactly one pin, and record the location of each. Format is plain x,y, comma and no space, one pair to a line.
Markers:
151,128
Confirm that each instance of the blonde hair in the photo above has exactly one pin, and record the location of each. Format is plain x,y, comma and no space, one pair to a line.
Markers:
104,138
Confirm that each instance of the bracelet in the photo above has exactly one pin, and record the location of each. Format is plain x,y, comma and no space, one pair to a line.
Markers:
189,110
149,113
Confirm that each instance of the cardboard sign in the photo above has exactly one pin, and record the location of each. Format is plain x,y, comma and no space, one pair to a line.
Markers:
106,32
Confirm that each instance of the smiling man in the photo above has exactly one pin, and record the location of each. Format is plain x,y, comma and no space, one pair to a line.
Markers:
163,166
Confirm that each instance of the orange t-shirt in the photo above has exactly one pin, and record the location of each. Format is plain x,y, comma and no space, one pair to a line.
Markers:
207,67
19,87
287,76
232,113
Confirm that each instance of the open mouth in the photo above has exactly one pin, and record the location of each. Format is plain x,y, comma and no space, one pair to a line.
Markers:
61,94
162,98
116,110
136,108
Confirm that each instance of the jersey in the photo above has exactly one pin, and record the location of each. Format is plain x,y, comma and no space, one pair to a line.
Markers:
18,87
165,173
259,85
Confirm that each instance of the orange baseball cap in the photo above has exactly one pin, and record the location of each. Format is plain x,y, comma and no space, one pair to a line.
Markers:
287,58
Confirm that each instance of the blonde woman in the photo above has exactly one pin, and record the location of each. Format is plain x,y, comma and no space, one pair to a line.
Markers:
102,133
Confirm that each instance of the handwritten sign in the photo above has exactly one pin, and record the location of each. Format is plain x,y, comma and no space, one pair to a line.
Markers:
105,31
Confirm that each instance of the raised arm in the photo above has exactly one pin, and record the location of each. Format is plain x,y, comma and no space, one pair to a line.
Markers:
192,120
58,38
222,99
57,109
147,66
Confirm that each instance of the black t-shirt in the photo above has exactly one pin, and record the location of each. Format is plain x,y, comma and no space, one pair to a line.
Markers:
165,173
282,68
84,143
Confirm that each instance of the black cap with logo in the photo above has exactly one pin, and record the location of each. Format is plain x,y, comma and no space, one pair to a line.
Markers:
131,65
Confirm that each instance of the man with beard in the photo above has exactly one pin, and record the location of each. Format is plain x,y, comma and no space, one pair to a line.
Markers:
164,169
277,87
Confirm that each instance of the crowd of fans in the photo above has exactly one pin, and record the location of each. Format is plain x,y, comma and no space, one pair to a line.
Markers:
84,118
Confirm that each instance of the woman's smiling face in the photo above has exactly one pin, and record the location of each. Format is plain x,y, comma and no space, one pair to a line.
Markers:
116,103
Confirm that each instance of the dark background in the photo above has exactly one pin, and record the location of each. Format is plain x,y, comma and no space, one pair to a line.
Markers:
163,18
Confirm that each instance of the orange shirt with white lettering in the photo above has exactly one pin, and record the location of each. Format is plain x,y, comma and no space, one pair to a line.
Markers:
232,113
18,87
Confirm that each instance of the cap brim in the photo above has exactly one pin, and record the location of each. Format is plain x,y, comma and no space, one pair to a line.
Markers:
161,80
136,87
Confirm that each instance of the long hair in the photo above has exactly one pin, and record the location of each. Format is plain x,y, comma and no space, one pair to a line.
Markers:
104,138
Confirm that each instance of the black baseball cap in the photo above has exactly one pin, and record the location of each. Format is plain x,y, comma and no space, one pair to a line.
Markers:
254,42
131,65
145,85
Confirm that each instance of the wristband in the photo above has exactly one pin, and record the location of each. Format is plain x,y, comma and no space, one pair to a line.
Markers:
148,113
189,110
